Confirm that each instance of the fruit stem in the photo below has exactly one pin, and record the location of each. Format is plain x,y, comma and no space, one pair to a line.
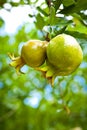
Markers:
17,63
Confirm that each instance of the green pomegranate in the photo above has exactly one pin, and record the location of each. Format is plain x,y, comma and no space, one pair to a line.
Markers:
64,55
33,53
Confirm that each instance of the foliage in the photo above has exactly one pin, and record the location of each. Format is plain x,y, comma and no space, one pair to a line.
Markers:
28,101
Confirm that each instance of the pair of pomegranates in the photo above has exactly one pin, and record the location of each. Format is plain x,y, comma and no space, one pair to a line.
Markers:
58,57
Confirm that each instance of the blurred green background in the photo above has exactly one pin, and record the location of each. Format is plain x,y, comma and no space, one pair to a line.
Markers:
28,102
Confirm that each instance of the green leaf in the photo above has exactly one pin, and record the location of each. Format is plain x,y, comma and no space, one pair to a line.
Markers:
42,11
61,30
78,26
57,4
39,21
52,15
77,34
79,5
68,2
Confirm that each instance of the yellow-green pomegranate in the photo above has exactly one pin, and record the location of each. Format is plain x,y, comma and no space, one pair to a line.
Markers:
64,55
33,53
